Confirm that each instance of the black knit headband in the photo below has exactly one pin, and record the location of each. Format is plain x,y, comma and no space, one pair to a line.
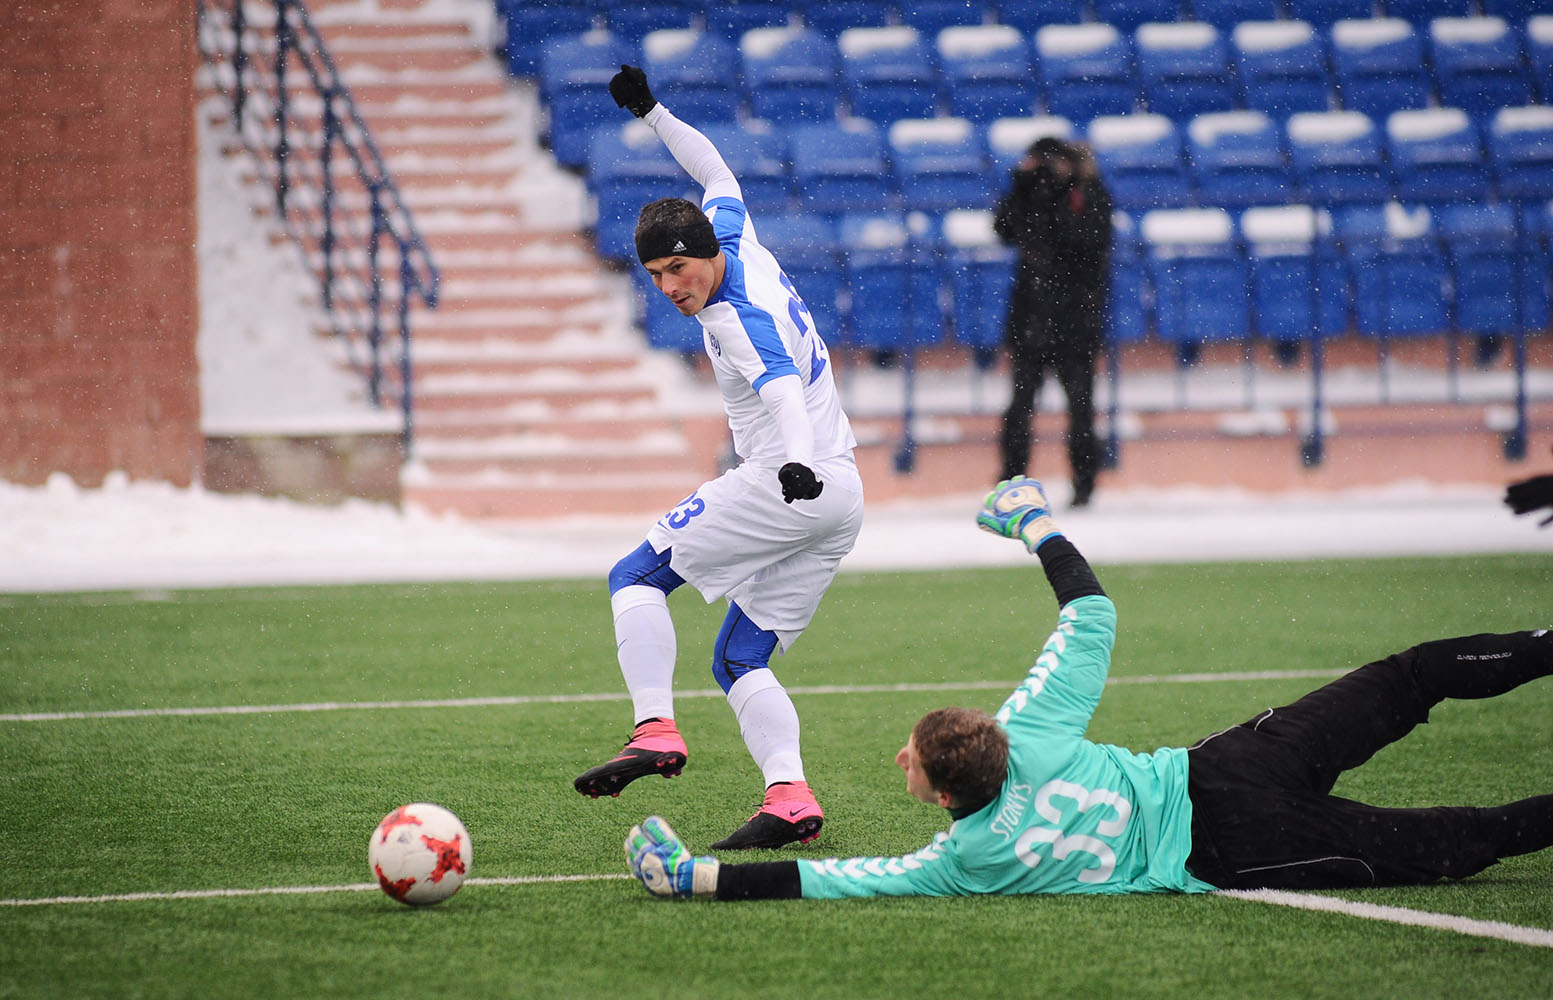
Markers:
694,239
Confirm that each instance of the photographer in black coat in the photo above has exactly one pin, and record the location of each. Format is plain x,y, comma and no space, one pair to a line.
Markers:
1058,214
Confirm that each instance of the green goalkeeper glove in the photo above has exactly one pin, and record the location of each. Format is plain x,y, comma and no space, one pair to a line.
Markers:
658,857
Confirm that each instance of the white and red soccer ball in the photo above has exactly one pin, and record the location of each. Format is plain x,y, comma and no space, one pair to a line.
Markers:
420,854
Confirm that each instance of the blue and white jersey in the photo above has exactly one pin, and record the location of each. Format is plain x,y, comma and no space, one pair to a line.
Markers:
755,327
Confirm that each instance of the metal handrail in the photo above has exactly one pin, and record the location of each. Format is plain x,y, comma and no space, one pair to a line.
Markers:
294,135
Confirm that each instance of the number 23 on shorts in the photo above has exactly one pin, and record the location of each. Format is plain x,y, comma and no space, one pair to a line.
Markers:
683,512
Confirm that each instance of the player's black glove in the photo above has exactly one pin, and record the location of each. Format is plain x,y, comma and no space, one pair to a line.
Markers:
1531,494
629,89
798,482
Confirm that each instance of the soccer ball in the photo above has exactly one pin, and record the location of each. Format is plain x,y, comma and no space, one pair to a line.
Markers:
419,854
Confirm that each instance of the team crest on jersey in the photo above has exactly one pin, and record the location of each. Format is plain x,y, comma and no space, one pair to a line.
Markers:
717,349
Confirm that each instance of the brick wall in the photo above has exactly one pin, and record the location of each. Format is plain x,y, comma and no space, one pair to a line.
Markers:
98,270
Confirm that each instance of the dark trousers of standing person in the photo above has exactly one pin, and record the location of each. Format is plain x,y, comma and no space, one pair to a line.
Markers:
1074,367
1263,815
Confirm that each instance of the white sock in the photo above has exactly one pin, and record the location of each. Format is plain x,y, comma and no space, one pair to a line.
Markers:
645,647
769,724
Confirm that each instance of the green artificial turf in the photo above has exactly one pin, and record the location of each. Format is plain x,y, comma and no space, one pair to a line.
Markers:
254,800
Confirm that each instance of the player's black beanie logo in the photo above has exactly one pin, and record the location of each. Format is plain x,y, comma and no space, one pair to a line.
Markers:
674,227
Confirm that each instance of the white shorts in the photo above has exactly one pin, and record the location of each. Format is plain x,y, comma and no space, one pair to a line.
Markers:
735,537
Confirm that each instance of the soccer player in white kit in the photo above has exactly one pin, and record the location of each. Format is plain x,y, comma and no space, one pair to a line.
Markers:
767,535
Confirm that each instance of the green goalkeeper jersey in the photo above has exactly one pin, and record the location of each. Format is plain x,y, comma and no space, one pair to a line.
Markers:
1072,815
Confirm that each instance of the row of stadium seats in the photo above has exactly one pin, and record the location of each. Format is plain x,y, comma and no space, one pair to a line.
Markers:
1184,276
1232,159
528,23
786,75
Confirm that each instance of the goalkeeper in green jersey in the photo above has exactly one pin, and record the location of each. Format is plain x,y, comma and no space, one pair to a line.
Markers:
1037,808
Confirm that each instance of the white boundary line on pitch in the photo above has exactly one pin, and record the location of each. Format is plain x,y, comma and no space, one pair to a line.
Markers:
1535,937
564,699
292,890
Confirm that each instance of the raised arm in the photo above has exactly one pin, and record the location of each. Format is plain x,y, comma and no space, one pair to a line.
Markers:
690,148
1062,689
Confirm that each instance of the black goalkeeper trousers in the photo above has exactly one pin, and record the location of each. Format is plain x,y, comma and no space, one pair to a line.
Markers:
1263,815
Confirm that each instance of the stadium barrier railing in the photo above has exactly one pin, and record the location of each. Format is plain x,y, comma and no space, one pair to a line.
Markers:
333,192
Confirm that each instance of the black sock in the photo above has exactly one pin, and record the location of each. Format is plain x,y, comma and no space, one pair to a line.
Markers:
1520,827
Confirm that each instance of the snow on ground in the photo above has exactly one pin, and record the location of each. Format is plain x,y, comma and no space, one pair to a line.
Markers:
133,535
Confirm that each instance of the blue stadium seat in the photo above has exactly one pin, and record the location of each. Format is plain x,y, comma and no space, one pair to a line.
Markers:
1009,139
1282,67
1130,304
757,155
1399,271
1337,157
1539,53
1237,159
1225,14
1127,15
1325,13
939,163
1029,16
1184,69
1520,147
1516,11
632,21
888,73
1200,278
667,329
574,74
1488,263
894,292
529,25
807,247
1141,160
1436,155
841,167
832,17
1421,12
932,16
1086,70
791,74
628,166
732,18
1535,229
987,72
695,73
1478,64
980,273
1378,64
1299,283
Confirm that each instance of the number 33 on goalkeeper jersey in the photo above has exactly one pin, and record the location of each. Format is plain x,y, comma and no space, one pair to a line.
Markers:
1073,816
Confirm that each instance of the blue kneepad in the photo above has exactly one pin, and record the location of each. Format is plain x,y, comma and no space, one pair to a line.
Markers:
646,568
741,646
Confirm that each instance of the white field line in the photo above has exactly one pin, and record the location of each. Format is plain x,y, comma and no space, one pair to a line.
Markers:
288,890
563,699
1536,937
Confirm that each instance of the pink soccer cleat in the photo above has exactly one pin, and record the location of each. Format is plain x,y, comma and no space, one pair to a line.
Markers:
790,813
655,747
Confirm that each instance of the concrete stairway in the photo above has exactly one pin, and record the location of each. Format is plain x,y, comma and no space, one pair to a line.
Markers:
533,395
